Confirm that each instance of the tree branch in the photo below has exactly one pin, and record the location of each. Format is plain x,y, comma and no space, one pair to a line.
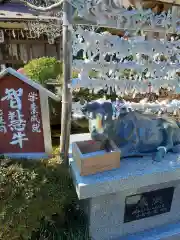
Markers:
43,9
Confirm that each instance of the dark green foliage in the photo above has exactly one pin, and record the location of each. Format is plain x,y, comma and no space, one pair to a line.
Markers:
86,94
31,192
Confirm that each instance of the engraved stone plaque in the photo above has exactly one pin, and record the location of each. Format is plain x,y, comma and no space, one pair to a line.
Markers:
148,204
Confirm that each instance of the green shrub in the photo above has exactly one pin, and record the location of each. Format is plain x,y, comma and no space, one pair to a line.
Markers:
42,69
30,191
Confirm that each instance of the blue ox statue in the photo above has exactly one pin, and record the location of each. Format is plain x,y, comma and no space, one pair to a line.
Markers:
134,132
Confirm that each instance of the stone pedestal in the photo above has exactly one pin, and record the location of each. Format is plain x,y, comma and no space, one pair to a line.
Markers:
140,200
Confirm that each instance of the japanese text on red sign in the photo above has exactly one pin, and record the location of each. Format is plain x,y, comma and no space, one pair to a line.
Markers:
16,121
32,97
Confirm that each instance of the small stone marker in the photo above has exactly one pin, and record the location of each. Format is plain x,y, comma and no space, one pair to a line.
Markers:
24,116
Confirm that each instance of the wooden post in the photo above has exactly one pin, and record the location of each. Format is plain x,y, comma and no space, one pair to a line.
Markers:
66,90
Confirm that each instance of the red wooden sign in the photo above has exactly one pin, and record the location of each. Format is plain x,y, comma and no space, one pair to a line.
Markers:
21,128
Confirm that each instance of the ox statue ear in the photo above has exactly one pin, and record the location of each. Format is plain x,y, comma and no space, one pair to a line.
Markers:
91,115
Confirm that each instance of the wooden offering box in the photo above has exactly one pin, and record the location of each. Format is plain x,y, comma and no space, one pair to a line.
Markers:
91,158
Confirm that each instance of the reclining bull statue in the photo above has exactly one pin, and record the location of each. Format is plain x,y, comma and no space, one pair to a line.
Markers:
134,132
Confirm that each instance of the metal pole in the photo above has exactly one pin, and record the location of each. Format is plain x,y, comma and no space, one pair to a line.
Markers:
66,90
